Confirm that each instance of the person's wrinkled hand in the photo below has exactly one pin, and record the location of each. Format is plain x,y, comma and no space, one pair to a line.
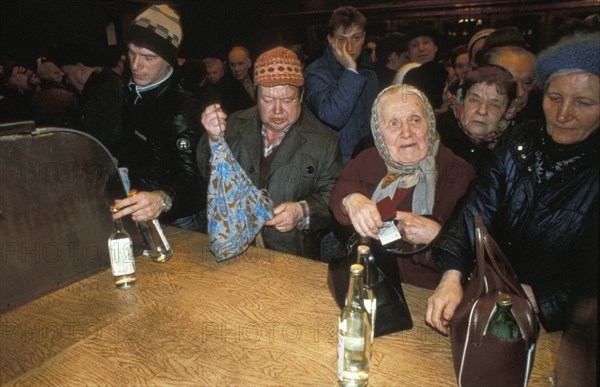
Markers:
214,121
444,300
417,229
363,214
143,206
287,216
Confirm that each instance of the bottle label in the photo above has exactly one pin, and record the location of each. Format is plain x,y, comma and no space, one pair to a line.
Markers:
368,305
340,363
354,343
161,234
122,261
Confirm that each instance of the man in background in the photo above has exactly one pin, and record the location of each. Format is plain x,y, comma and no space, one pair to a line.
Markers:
341,85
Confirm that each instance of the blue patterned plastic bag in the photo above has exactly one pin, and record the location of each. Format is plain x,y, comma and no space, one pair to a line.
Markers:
237,210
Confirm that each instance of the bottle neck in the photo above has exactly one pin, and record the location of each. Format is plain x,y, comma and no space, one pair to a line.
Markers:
354,290
118,225
365,259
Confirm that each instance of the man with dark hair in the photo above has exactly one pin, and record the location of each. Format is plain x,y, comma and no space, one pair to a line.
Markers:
341,85
391,56
161,128
422,44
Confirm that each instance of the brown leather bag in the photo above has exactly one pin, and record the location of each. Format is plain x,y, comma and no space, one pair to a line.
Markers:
481,359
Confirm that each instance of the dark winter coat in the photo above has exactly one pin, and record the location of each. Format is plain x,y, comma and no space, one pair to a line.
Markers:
534,199
161,132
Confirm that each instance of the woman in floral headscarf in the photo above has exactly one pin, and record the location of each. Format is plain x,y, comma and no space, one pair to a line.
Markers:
408,178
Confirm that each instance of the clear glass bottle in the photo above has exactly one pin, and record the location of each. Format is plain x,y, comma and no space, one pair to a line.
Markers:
122,260
354,335
366,259
156,244
502,323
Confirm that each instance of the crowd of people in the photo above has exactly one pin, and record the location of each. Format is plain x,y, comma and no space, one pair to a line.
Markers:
375,130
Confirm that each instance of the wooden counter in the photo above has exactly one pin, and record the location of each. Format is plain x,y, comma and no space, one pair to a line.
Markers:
264,318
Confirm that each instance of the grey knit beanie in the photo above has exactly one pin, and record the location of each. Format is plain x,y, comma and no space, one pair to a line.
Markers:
581,52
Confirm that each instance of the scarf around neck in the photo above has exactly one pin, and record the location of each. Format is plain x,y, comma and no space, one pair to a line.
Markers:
422,175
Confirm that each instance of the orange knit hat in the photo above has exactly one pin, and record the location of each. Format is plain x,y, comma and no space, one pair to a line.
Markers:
276,67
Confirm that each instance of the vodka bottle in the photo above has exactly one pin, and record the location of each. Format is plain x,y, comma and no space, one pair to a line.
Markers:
354,335
156,244
366,259
122,261
502,323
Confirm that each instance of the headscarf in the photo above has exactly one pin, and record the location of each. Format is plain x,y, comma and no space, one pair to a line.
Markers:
422,175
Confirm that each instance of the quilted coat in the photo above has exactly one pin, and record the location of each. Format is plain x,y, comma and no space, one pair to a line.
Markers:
536,214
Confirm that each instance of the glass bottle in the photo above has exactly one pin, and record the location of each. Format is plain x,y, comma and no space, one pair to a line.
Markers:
366,259
354,335
503,324
122,261
156,244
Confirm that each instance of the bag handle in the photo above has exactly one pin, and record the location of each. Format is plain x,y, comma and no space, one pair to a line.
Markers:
480,254
506,274
496,255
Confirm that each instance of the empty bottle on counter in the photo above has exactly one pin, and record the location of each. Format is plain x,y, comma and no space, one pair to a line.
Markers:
354,334
156,244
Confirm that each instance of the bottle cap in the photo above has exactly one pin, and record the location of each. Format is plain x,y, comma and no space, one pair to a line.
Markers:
132,192
356,269
363,249
504,299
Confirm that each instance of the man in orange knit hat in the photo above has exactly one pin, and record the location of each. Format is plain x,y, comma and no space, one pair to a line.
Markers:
284,150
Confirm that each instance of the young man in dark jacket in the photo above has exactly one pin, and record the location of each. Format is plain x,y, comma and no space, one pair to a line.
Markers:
341,85
161,128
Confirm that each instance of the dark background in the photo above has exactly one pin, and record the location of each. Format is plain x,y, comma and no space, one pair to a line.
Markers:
76,29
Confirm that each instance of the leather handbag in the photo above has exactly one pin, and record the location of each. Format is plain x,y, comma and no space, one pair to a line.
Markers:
392,314
481,359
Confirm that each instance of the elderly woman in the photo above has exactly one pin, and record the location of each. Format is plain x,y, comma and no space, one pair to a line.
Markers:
535,196
409,178
481,114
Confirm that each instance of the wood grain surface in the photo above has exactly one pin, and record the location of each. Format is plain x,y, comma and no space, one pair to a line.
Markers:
261,319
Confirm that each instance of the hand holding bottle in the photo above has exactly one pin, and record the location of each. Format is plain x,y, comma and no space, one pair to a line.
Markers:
143,206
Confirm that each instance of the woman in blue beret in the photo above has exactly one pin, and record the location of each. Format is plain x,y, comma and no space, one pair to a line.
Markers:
537,192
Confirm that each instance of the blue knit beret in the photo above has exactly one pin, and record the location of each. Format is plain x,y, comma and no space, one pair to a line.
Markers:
579,53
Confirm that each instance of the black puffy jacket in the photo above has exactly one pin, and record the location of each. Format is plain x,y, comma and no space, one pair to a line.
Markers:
536,213
161,131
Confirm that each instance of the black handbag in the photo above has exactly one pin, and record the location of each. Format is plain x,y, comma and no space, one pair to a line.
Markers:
392,314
